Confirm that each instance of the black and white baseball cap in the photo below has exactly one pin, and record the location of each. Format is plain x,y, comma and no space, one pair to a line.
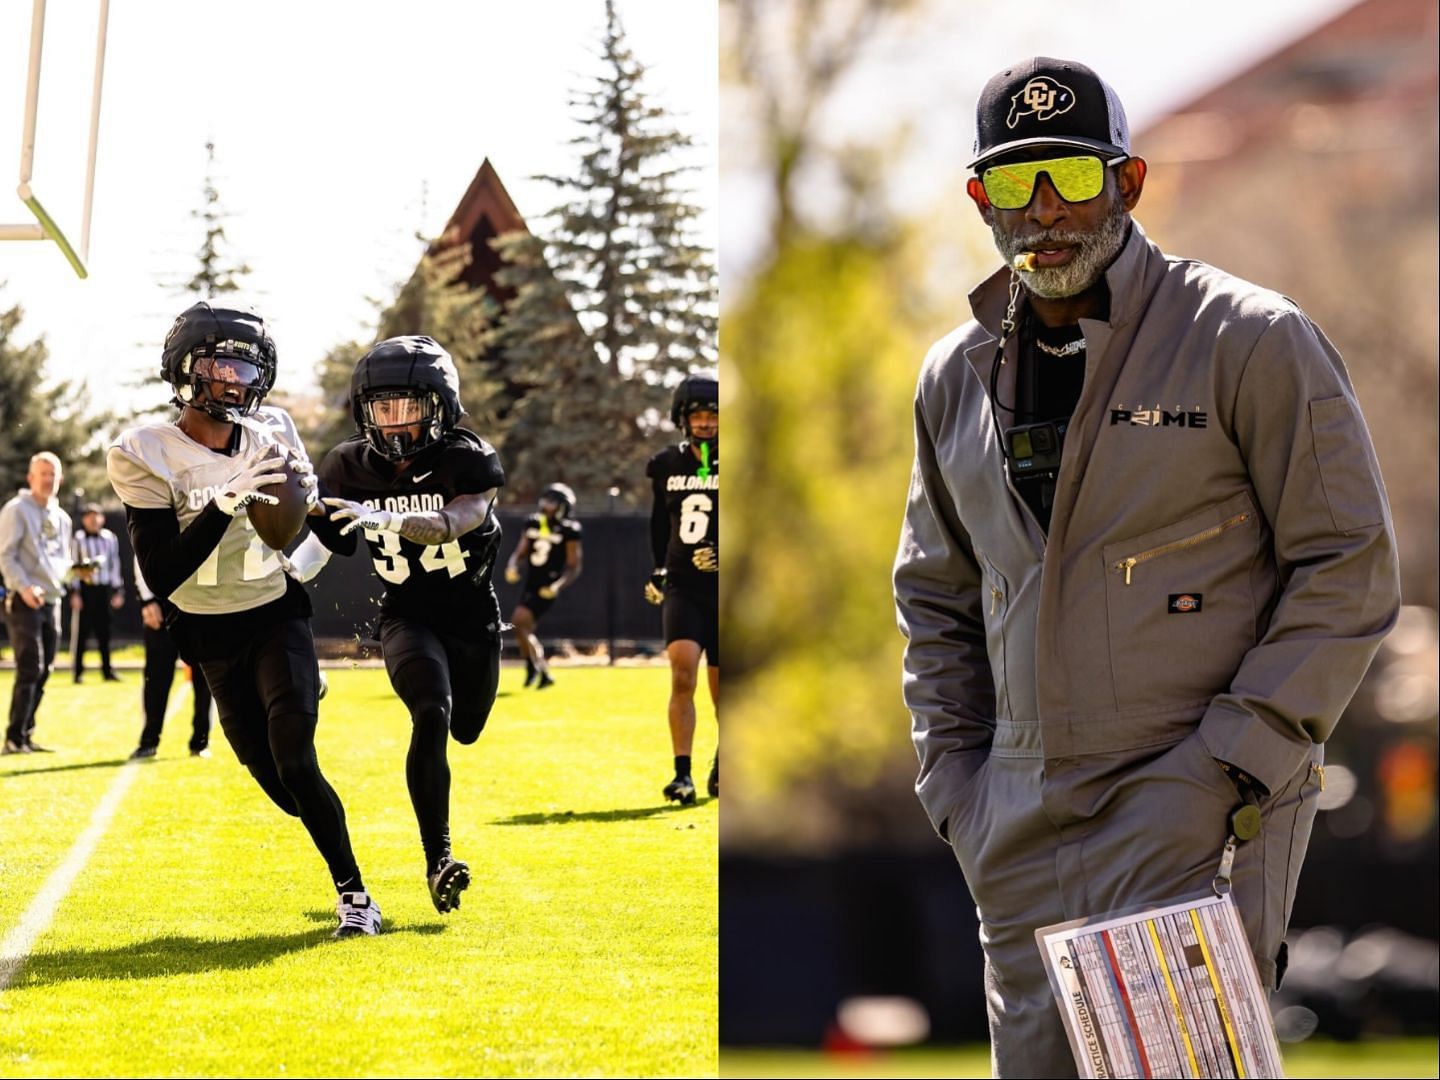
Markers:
1046,101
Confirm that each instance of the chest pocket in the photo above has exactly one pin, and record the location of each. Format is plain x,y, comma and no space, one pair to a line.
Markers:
1181,606
996,601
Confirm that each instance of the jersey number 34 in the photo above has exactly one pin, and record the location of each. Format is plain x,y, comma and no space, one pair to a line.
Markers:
392,564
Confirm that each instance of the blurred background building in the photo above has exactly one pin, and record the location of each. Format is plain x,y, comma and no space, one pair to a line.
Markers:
1303,158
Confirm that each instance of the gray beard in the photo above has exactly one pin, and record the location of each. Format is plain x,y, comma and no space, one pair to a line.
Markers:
1094,252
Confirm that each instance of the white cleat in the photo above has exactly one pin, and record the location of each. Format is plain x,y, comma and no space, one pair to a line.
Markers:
358,915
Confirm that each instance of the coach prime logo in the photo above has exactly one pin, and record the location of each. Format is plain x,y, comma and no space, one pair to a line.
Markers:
1043,97
1185,603
1158,417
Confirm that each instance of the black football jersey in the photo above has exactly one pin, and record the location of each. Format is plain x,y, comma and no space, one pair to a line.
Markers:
690,494
547,548
447,585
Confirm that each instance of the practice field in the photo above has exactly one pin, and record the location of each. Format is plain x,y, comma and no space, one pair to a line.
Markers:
194,937
1317,1058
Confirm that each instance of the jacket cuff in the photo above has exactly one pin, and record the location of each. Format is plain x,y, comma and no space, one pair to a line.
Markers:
1252,746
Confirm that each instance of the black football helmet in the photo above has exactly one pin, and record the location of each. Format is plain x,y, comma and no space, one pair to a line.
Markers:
209,347
419,378
699,390
563,494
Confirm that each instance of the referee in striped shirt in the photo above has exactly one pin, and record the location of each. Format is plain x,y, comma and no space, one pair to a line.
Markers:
91,604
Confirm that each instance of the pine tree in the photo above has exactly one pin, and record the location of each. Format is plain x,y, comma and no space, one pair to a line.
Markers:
432,301
629,269
216,274
36,415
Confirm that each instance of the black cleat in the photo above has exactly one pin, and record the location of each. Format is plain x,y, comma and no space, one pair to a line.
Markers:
13,747
447,883
545,680
681,790
530,673
32,747
143,752
713,784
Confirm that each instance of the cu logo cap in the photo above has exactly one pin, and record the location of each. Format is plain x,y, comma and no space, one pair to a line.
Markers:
1047,102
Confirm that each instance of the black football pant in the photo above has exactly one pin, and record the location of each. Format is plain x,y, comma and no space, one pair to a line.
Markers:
94,621
33,634
267,694
449,686
161,652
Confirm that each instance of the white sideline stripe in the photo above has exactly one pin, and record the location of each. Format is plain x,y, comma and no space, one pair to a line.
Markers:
15,949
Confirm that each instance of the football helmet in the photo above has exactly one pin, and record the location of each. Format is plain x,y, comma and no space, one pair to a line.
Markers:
699,390
219,360
563,494
401,385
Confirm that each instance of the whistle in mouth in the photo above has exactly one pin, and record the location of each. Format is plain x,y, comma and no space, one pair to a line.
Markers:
1024,261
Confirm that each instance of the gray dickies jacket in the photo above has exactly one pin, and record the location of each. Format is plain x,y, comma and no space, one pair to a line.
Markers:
1220,553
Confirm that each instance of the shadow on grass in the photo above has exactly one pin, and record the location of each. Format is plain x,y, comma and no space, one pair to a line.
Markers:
179,954
7,775
566,817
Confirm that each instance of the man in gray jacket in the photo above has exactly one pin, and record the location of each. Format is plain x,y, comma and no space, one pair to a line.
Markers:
1146,559
35,558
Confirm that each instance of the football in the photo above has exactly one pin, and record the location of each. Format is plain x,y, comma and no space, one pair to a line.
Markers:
280,523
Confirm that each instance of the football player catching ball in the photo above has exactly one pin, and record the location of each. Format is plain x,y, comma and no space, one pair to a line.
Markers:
245,621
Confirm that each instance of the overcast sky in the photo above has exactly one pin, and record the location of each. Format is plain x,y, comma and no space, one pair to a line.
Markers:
340,128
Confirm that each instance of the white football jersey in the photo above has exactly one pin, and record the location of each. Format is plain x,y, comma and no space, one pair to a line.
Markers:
158,466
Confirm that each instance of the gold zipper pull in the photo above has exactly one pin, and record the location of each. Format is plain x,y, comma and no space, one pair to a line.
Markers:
1127,565
994,599
1319,771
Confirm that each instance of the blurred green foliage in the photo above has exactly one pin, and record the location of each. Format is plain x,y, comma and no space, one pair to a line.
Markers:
823,351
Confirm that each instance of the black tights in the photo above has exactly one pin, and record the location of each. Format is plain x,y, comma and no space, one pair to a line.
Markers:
267,699
449,687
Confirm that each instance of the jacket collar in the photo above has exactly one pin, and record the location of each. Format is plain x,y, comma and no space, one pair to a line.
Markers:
1127,277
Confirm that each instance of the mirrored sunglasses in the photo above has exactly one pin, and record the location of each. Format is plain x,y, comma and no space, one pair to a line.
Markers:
1075,179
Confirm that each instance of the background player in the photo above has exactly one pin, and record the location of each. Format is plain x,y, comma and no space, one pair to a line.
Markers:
684,532
552,549
237,613
422,490
160,656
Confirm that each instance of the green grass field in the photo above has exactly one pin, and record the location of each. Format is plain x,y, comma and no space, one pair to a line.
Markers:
1317,1058
195,940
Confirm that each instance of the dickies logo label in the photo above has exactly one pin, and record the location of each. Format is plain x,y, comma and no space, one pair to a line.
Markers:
1185,603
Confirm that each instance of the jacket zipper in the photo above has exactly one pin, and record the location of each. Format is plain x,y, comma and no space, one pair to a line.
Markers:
1129,564
994,599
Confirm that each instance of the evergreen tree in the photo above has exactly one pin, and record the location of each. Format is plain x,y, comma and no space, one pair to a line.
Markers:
216,274
433,301
630,270
36,415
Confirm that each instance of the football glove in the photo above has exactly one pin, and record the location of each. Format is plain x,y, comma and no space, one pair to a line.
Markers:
512,575
655,587
244,487
706,559
300,464
361,517
547,592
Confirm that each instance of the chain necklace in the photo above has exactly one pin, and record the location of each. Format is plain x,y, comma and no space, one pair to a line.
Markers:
1070,348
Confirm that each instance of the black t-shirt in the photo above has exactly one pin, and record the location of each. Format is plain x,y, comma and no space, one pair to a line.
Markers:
1051,377
685,515
548,542
446,586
